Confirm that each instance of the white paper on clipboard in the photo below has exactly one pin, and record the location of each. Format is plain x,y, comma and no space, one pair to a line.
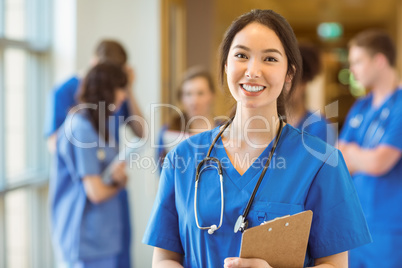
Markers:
123,155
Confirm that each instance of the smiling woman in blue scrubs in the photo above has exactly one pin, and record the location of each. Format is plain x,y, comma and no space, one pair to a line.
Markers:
371,142
260,57
86,213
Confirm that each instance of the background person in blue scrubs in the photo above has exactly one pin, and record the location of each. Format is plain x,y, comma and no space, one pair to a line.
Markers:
64,97
196,96
371,142
260,57
298,115
86,213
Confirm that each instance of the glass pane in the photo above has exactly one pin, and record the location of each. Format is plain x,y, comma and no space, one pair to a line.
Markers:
16,217
15,16
15,117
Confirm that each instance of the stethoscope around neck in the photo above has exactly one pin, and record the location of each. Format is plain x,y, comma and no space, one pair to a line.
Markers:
242,222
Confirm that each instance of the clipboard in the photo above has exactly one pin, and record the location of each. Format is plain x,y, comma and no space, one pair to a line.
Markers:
282,242
121,157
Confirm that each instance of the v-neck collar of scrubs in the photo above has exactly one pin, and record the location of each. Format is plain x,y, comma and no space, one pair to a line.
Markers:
386,101
254,169
372,112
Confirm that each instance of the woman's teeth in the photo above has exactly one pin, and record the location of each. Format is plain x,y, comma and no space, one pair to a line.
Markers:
252,88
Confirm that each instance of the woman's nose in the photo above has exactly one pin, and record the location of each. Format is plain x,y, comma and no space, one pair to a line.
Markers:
253,69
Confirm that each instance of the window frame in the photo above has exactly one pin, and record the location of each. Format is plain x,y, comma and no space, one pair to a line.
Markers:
37,46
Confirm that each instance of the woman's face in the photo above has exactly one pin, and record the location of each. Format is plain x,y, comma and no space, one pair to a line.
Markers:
197,97
119,97
256,66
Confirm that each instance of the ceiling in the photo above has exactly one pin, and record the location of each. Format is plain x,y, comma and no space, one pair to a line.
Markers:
302,13
306,15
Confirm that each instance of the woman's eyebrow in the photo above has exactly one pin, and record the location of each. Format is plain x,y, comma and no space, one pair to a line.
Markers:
272,50
264,51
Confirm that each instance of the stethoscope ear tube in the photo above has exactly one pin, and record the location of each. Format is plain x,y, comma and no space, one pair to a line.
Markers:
242,222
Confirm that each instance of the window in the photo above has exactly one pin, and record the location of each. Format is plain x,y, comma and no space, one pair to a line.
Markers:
24,71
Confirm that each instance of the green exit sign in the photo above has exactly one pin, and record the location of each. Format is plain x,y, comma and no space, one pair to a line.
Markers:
330,30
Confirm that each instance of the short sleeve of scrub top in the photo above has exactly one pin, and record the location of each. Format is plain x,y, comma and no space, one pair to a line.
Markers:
60,101
338,221
88,157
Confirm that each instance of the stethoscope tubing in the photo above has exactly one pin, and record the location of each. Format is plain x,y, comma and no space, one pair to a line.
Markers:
242,222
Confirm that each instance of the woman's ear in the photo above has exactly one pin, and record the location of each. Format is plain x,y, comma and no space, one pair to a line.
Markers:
226,68
290,75
289,78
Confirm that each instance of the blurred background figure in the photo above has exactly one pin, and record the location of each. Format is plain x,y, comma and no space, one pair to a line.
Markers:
299,116
371,145
196,98
88,227
63,97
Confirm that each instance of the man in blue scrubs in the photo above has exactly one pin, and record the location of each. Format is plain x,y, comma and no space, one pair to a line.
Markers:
63,98
371,142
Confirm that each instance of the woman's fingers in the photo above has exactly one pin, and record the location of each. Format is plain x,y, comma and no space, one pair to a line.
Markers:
119,173
245,263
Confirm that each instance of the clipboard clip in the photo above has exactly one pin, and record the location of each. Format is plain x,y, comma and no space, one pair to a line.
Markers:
241,224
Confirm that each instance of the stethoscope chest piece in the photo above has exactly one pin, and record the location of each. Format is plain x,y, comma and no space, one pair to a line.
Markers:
241,224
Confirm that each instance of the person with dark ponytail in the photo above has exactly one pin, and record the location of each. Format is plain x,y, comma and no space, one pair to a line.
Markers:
208,179
298,116
86,212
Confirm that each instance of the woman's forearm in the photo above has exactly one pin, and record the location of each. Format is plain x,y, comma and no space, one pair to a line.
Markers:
163,258
97,191
167,264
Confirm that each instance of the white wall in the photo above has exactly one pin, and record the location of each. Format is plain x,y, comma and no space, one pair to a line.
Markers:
135,23
64,39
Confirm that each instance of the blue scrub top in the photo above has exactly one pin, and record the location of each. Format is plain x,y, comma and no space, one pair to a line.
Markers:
60,101
317,125
63,98
380,196
303,175
82,230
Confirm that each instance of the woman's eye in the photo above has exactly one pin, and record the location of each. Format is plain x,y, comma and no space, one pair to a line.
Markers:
271,59
241,56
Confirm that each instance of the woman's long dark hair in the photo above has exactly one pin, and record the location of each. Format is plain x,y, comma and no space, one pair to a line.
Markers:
285,33
99,87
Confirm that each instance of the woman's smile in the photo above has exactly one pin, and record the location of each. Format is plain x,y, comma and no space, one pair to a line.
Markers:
252,89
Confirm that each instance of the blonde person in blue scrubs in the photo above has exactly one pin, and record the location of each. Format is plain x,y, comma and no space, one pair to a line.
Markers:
201,227
298,115
86,212
371,142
